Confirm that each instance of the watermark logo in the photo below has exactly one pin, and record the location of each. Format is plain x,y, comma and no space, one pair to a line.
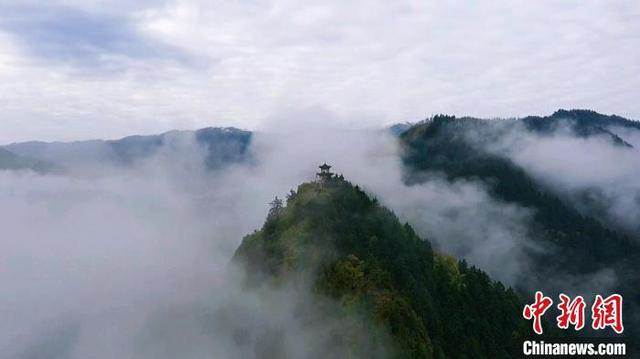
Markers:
571,312
536,310
608,313
605,312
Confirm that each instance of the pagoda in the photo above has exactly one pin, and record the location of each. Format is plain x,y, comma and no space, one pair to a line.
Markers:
325,174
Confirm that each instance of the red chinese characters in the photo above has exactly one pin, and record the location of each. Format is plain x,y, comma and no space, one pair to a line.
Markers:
607,313
571,312
536,310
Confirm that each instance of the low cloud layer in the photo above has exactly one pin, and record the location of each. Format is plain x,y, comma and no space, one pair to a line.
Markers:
87,262
597,176
135,262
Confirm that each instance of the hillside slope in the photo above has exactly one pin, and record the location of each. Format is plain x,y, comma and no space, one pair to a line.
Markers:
575,244
356,252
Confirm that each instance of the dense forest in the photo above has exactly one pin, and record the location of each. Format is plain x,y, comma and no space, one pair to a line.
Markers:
355,251
576,244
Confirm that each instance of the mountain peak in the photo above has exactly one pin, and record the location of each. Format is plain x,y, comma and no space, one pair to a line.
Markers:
356,252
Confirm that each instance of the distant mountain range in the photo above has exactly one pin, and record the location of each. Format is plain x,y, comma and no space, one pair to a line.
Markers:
11,161
219,146
229,145
357,253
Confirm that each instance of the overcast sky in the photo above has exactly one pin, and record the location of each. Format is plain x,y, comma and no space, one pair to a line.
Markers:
102,69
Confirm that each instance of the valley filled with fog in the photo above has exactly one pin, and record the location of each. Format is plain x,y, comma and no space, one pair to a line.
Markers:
109,259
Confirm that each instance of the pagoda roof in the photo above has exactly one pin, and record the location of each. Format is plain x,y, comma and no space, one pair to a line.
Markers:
325,166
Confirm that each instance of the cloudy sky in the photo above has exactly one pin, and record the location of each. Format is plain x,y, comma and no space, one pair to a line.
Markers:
84,69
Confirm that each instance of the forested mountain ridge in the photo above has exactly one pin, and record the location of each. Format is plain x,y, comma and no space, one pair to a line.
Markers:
574,243
353,250
582,118
583,123
443,145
